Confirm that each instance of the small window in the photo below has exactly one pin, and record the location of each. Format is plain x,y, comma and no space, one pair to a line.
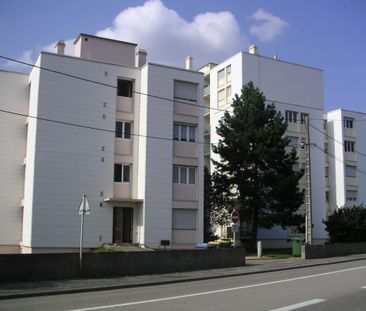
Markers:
291,116
294,141
117,172
351,196
192,175
325,124
221,77
348,123
176,174
228,92
119,129
184,175
184,132
327,197
122,172
325,147
228,73
303,117
124,88
351,171
192,134
126,173
326,172
123,130
349,146
221,95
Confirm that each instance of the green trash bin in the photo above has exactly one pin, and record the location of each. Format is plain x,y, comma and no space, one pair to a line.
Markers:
296,247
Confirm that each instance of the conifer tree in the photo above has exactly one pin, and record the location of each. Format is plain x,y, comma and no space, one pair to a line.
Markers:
256,163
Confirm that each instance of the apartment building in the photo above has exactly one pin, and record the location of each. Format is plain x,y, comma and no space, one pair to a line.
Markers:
297,91
107,124
346,154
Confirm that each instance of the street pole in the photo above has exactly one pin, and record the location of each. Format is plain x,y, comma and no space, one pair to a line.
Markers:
81,242
308,206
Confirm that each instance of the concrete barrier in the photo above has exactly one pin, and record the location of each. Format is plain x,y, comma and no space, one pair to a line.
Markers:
32,267
332,250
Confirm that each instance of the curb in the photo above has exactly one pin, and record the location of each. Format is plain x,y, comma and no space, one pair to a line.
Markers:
165,282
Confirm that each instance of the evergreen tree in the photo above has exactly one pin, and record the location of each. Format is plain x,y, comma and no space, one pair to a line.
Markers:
255,165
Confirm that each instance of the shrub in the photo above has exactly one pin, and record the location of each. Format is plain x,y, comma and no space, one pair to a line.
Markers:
347,224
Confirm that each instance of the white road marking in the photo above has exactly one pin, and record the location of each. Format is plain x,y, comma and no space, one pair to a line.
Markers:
364,287
299,305
218,291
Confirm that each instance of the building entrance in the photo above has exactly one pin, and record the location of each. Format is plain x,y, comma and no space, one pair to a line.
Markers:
122,225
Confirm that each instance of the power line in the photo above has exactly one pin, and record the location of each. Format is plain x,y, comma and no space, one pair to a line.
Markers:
146,94
337,141
111,86
90,127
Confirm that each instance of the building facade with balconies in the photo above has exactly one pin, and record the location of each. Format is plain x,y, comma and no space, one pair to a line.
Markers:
107,124
346,153
296,91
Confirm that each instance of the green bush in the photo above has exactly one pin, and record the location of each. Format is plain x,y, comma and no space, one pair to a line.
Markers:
347,224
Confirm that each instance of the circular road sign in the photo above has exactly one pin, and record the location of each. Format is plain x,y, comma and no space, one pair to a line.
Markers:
235,216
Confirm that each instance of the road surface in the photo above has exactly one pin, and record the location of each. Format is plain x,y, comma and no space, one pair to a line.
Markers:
333,287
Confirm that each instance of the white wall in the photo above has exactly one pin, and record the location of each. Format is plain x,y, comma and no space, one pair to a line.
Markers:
13,134
159,153
68,160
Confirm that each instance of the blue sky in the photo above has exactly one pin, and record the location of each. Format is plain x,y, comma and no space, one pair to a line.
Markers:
327,34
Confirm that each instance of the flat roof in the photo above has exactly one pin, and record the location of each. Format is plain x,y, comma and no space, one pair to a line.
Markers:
96,37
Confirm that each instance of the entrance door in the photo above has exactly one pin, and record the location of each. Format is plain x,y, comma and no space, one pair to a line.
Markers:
122,225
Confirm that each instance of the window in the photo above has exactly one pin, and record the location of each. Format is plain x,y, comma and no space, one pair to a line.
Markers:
123,129
326,172
176,174
351,196
184,175
350,171
349,146
303,117
291,116
184,219
228,73
228,92
185,91
221,95
325,147
221,77
327,197
325,124
122,173
294,141
184,132
348,123
124,88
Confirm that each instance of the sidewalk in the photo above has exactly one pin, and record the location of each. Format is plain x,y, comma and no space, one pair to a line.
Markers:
41,288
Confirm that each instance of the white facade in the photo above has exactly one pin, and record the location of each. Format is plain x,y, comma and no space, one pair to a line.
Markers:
293,89
72,147
347,158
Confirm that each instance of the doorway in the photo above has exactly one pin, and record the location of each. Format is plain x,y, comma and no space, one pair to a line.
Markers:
122,225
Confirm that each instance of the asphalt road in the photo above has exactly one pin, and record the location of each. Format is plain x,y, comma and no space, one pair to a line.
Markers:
333,287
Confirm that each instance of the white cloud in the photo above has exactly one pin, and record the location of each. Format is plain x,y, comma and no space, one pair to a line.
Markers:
271,27
169,38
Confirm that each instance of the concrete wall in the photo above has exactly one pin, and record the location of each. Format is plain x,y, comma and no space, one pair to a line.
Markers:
66,161
31,267
332,250
13,135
